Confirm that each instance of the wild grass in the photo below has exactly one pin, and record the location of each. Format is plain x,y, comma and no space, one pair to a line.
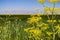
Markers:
12,28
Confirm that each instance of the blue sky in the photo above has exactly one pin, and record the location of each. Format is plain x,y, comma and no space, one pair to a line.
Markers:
28,5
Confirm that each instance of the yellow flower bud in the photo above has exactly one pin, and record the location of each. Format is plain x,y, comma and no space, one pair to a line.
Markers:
49,33
36,8
41,1
51,21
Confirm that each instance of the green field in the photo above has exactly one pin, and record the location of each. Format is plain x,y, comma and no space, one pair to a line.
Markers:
12,28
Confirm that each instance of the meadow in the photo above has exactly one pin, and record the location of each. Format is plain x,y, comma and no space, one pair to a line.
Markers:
29,27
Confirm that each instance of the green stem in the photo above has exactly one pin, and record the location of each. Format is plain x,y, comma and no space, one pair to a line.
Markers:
54,36
53,23
46,13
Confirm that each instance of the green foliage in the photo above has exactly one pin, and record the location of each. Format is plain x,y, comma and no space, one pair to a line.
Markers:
12,28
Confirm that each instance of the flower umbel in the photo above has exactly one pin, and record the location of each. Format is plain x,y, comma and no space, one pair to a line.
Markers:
50,21
49,33
34,19
53,1
42,1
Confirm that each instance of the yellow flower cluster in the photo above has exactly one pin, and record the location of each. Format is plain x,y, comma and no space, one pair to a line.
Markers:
34,19
36,8
51,9
49,33
50,21
45,27
41,1
53,1
58,28
35,32
27,29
